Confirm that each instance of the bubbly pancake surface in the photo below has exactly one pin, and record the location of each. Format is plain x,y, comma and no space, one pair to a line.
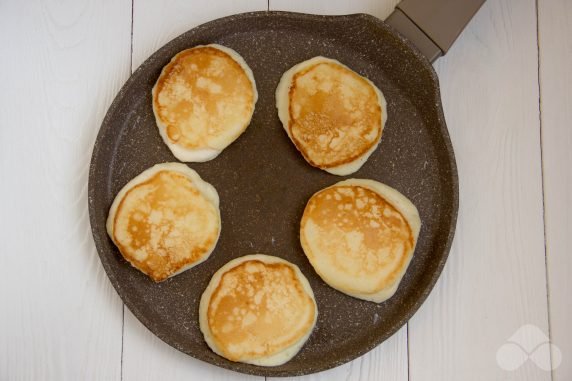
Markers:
165,224
334,114
259,309
356,240
204,99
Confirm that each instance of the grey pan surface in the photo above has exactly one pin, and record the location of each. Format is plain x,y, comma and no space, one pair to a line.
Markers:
264,183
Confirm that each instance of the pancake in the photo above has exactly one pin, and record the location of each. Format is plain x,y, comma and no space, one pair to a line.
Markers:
360,235
258,309
334,116
165,221
203,100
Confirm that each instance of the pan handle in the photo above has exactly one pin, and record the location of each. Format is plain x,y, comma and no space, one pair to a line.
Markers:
433,25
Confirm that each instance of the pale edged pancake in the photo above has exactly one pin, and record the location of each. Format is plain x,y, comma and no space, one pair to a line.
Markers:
258,309
360,235
165,221
203,101
333,115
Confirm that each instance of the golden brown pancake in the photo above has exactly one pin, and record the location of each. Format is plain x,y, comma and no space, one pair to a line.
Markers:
359,236
203,100
333,115
258,309
165,221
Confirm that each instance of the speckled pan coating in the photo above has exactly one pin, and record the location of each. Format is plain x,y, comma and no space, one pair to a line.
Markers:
264,183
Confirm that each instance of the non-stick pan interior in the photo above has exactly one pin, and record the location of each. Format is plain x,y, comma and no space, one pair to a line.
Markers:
264,183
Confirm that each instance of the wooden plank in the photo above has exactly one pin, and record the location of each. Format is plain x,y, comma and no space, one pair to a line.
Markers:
389,360
157,22
494,282
145,357
61,66
378,8
555,29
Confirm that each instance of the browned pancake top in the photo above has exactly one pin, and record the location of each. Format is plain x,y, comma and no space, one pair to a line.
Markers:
353,232
259,309
165,224
335,114
204,98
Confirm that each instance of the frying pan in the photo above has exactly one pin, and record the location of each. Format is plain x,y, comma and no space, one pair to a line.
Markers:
264,183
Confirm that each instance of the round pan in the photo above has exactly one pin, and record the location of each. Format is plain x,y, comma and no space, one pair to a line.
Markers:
264,183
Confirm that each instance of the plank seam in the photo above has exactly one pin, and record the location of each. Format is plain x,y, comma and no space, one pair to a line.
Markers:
407,347
122,338
542,182
131,54
123,309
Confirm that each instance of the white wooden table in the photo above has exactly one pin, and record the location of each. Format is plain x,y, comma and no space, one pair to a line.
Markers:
507,94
